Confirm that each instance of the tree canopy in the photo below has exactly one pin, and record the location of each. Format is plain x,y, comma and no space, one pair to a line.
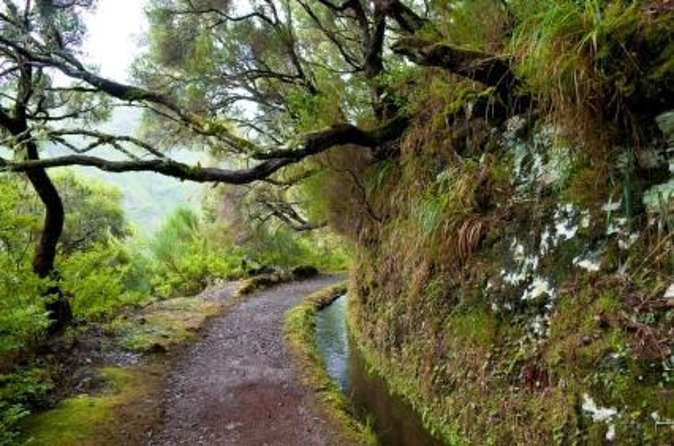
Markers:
267,84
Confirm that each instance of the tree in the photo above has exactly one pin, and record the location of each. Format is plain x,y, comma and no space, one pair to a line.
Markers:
264,86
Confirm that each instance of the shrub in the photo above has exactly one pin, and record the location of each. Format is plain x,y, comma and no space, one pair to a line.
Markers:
188,255
97,281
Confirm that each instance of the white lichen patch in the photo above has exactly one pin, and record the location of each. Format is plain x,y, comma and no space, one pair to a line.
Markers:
669,294
525,266
611,206
610,433
566,224
567,221
660,197
536,164
525,272
539,325
513,278
597,413
518,250
585,219
539,287
547,242
625,242
600,414
617,226
590,262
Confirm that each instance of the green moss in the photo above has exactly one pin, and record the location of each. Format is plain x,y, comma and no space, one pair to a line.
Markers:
118,378
263,281
476,326
473,373
420,309
86,420
165,324
72,422
608,302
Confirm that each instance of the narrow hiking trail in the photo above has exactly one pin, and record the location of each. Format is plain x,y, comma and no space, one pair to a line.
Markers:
237,385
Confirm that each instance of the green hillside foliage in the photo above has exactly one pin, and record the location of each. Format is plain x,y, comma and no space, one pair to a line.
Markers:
94,267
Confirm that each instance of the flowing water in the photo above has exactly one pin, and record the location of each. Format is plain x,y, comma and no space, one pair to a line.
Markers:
394,421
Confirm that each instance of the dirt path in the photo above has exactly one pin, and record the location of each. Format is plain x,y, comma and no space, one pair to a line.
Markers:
237,386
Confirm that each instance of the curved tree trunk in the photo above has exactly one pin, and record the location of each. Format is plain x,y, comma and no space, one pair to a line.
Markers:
43,263
58,307
15,122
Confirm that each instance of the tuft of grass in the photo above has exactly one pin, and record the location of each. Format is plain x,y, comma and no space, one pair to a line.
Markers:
594,63
299,328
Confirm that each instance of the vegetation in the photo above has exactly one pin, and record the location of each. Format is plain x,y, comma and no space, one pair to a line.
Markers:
159,327
84,419
114,283
503,247
499,171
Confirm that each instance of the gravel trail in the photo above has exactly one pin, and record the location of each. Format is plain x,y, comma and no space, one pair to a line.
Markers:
237,386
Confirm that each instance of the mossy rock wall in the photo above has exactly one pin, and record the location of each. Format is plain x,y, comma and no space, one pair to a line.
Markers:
519,292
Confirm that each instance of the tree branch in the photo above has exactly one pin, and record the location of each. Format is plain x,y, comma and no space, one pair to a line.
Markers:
72,68
408,20
340,135
273,161
487,69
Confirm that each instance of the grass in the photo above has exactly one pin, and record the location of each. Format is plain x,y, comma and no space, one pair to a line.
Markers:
473,370
592,61
263,281
299,328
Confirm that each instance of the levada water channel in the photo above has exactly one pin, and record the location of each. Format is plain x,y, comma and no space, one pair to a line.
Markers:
394,421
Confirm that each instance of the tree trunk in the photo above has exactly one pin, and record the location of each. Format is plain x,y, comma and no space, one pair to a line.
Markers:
60,313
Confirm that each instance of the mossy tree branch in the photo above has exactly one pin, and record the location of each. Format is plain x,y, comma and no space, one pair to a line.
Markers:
487,69
271,161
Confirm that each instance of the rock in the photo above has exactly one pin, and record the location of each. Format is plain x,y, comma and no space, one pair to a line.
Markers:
157,348
262,270
665,122
304,272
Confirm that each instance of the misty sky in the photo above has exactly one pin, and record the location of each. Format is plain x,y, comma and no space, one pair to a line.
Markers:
115,32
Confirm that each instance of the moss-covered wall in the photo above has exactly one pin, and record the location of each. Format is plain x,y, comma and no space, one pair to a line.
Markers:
512,267
516,294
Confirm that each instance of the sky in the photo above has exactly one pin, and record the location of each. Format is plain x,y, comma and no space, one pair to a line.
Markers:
114,37
115,32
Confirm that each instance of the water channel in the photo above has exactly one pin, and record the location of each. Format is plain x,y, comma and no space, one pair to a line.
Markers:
394,421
